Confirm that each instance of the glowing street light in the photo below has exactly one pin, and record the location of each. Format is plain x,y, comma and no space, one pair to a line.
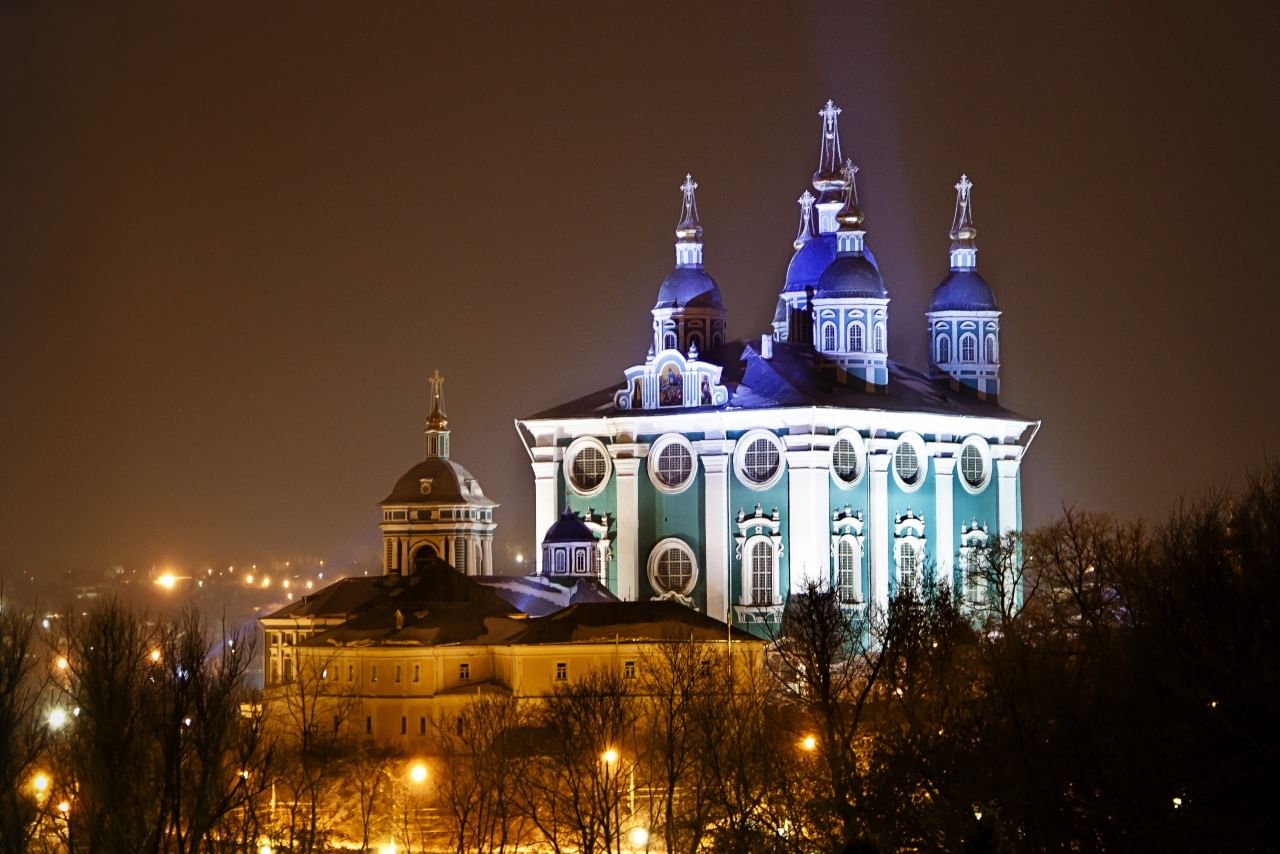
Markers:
610,756
809,743
57,718
167,581
639,837
265,848
418,773
64,807
40,783
154,656
61,662
389,848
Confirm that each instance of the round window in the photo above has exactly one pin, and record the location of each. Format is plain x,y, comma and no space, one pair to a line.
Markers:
672,463
975,464
760,462
672,568
587,466
910,462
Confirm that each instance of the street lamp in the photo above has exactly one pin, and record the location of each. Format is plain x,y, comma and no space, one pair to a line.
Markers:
57,718
809,743
40,783
418,773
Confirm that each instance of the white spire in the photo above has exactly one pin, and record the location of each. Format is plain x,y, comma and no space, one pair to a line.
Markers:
689,231
805,234
437,431
964,246
829,180
850,216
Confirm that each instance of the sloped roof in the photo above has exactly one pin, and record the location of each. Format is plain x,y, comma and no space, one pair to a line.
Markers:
539,596
449,483
588,622
792,378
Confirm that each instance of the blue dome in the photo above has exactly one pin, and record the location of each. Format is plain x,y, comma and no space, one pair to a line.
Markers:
851,276
809,261
689,287
569,528
963,290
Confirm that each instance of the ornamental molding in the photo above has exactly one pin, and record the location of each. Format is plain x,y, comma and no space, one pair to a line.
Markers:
758,524
670,380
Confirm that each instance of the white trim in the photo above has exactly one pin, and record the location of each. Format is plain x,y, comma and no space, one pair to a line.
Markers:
656,552
655,452
571,453
854,438
922,459
984,450
748,552
740,452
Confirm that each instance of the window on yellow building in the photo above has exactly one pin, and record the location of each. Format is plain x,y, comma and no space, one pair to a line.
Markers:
562,671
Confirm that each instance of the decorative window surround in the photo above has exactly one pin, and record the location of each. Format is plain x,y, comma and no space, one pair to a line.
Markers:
983,450
846,529
854,438
657,462
973,541
678,594
745,447
908,531
916,444
757,528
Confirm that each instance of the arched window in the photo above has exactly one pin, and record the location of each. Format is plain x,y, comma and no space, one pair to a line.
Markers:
846,572
968,348
908,567
669,341
579,561
672,568
856,343
989,350
561,562
762,573
829,337
877,341
944,349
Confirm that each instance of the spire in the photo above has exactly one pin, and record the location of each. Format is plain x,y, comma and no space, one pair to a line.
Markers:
805,234
964,246
828,178
437,422
850,216
689,231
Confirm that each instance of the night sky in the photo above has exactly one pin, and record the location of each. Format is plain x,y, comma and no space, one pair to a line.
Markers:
235,242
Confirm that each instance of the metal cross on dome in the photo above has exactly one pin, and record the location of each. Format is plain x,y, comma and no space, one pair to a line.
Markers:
436,381
962,187
829,115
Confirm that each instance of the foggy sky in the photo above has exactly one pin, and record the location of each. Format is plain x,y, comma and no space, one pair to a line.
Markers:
235,242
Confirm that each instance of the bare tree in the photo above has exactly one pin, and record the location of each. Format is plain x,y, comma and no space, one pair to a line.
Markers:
23,736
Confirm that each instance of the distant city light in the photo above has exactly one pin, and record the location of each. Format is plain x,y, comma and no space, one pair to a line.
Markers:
520,559
167,581
1177,802
266,582
248,579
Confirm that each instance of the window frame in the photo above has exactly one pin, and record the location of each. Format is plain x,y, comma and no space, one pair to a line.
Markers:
744,444
653,462
917,444
854,438
571,454
655,557
978,444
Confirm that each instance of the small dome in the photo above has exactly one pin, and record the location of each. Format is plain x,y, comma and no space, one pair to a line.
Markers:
569,528
689,287
437,481
963,290
851,276
809,261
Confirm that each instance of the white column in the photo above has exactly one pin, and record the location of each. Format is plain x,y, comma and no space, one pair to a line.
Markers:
715,516
878,533
1007,470
544,504
944,526
808,517
628,527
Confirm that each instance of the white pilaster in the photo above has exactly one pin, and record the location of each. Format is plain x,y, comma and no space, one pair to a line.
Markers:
628,527
545,511
1007,472
808,516
878,532
715,515
944,537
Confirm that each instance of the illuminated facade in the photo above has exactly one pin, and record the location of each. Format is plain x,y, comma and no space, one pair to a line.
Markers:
726,474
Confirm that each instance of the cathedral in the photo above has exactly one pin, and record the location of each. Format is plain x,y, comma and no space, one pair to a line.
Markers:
725,475
691,497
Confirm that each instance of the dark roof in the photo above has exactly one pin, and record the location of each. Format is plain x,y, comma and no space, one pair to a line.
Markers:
450,484
436,584
963,290
809,261
851,275
627,621
688,287
792,378
539,596
569,528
